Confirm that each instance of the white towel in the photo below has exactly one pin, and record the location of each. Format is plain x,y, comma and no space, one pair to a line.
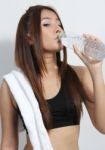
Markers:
29,107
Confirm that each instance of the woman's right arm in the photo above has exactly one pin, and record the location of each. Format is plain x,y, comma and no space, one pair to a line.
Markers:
9,119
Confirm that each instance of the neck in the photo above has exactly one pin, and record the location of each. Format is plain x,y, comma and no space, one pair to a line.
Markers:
51,64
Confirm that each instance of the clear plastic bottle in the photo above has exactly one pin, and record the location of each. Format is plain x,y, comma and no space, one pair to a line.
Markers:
69,38
93,48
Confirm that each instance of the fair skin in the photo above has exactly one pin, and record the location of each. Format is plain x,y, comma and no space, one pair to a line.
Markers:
63,138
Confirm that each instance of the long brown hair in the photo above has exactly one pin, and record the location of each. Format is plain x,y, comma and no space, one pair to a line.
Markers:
29,58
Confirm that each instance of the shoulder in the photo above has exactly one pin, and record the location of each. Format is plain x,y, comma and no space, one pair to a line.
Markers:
8,85
82,73
85,78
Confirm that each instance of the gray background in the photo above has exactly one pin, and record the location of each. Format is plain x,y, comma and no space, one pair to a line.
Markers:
83,16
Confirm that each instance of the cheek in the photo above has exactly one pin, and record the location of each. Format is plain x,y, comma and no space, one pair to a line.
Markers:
47,43
47,40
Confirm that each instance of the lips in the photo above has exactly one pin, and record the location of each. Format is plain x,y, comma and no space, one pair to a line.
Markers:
57,38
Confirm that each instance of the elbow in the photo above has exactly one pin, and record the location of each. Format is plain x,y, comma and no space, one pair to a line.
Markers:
100,128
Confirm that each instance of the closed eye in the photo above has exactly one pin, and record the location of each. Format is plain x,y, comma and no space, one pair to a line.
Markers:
46,24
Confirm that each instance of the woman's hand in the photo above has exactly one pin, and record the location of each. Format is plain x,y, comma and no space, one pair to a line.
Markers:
92,64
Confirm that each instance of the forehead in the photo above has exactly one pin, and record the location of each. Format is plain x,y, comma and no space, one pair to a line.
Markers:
48,14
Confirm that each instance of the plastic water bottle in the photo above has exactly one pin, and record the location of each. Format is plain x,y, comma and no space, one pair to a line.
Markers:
92,48
68,39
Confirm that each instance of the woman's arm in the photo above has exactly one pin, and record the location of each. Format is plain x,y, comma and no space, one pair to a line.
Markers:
95,89
9,120
93,83
95,94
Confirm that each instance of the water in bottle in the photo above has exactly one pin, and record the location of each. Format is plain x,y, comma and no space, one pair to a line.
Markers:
94,49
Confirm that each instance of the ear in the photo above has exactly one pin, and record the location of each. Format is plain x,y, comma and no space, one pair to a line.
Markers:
29,39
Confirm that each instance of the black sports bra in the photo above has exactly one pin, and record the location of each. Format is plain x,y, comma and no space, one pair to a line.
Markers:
62,109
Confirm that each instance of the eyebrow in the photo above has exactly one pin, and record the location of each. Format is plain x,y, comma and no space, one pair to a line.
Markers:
48,18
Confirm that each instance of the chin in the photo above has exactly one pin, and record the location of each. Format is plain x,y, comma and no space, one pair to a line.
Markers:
53,50
58,48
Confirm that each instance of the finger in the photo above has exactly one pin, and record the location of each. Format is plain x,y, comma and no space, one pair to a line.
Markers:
90,36
87,57
90,59
86,35
77,51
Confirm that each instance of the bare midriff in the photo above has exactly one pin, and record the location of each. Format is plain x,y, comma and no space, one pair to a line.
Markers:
63,138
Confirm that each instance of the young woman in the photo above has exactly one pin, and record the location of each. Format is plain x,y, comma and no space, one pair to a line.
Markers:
59,87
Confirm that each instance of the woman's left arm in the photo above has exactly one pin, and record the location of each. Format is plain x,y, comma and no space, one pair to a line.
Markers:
93,83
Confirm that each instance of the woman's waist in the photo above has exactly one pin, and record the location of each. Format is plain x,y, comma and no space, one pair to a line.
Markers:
65,137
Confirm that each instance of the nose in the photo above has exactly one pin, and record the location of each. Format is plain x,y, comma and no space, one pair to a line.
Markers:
59,30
